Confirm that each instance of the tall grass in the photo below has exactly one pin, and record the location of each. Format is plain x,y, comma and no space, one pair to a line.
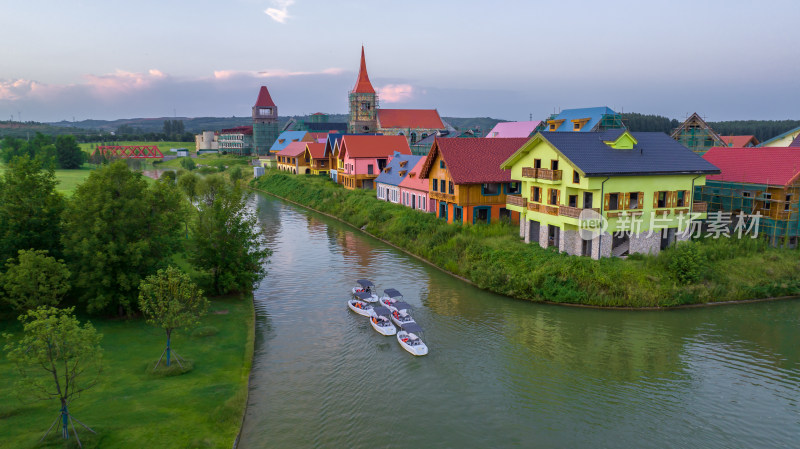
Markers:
495,259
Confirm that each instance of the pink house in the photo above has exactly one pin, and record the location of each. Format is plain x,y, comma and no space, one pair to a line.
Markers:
414,187
513,129
363,157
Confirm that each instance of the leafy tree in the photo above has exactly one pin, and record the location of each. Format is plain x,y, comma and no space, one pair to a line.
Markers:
30,208
235,174
68,152
117,230
226,241
169,299
56,358
168,177
188,163
12,147
34,279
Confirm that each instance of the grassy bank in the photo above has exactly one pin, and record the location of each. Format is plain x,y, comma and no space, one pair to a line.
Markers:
494,257
211,160
164,147
132,408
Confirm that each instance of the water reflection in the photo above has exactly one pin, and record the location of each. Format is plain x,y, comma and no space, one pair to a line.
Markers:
501,372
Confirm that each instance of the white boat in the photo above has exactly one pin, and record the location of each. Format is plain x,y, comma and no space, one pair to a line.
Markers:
410,341
360,307
365,286
401,317
380,321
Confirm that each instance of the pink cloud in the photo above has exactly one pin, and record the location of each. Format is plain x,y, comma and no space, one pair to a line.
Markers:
272,73
121,81
396,93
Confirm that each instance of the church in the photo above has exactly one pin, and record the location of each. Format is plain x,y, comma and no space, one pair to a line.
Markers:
366,116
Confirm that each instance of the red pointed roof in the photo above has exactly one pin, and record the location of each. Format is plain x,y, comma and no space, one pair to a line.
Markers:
264,100
294,149
777,166
410,118
474,160
363,86
355,146
739,141
316,150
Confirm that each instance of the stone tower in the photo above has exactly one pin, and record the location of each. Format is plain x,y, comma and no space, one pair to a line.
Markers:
265,122
363,103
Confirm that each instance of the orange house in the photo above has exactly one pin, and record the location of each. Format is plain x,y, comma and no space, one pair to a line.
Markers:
466,184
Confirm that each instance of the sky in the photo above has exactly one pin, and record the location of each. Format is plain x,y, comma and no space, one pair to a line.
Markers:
86,59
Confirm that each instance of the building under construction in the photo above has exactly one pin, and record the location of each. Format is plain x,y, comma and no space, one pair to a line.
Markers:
763,181
583,120
696,135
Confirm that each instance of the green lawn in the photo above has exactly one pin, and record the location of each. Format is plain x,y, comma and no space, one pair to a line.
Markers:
164,147
68,180
130,408
215,160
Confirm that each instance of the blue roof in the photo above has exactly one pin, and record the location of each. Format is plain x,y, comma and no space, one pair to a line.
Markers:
655,153
393,177
594,114
285,138
766,143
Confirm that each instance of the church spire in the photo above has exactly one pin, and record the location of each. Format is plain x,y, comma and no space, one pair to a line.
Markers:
363,86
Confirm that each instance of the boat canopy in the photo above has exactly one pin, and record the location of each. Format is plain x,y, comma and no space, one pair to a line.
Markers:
365,283
392,293
411,327
380,310
401,305
363,295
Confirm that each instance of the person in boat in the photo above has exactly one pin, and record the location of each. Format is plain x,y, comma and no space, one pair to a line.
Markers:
396,315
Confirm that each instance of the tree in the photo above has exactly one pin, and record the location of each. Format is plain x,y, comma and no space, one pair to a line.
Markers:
169,299
188,163
30,209
56,358
68,152
168,177
117,231
188,182
34,279
235,174
226,241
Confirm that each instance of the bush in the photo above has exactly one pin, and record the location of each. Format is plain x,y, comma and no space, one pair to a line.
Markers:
686,264
188,163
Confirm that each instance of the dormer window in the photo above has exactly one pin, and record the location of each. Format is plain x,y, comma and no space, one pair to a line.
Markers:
401,172
403,163
578,124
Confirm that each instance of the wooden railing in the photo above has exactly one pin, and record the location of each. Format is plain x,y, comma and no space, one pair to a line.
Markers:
534,207
549,210
514,200
541,173
699,207
572,212
442,196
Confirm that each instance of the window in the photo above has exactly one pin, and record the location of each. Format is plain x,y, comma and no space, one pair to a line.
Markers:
613,201
536,195
505,214
554,165
369,169
662,200
442,185
634,200
681,198
537,163
443,210
450,189
587,200
788,202
767,201
441,163
552,127
573,201
365,106
576,178
435,185
490,189
576,126
553,200
481,214
458,214
513,188
747,194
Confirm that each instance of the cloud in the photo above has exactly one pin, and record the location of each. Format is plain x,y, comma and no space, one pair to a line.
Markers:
272,73
121,81
281,13
396,93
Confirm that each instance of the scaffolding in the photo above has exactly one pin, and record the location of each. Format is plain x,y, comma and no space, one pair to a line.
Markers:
363,112
696,135
610,121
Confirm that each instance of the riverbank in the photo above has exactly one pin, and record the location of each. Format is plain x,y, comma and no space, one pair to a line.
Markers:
130,407
494,258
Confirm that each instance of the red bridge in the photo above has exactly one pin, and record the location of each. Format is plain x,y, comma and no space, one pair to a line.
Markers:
130,151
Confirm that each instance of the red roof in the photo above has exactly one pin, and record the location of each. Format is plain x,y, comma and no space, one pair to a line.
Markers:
363,86
355,146
264,100
410,118
294,149
317,150
777,166
413,180
474,160
739,141
248,130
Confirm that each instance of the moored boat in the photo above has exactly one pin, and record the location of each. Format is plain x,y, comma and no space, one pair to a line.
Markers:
409,339
365,286
401,317
360,307
380,321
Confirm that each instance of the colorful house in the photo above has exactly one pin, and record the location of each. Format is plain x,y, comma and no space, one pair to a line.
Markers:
584,120
287,137
696,135
291,159
362,158
314,156
414,190
790,138
423,146
514,129
621,183
740,141
332,153
763,181
465,182
388,182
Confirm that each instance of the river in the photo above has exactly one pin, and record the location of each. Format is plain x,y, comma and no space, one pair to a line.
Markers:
501,372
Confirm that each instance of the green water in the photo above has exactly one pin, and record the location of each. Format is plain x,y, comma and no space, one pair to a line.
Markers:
501,372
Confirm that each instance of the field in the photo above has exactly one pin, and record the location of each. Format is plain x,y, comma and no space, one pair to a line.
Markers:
68,180
214,160
164,147
132,408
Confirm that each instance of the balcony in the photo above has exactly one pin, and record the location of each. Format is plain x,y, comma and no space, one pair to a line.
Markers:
442,196
572,212
549,210
700,207
542,174
513,200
